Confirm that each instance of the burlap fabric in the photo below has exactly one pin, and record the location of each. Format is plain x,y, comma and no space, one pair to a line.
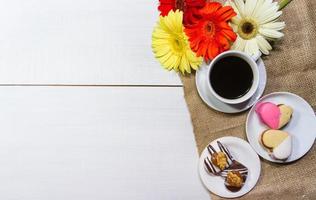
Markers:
291,66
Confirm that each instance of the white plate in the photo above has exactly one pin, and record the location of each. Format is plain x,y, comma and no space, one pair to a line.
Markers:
302,126
243,153
201,84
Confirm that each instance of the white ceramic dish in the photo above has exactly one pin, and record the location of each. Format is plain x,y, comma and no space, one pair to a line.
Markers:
242,152
302,126
201,79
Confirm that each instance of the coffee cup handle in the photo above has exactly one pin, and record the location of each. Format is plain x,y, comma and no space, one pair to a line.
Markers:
256,56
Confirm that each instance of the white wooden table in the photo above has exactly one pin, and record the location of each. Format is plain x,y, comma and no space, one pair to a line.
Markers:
86,111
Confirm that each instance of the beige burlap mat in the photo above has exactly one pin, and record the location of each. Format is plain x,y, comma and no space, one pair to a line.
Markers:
291,66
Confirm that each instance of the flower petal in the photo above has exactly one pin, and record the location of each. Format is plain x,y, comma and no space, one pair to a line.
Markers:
251,47
270,33
274,25
240,6
249,7
239,44
224,25
210,8
195,61
169,21
270,17
164,9
236,20
164,59
184,65
263,7
257,8
234,27
226,13
233,5
202,50
222,41
263,44
213,50
229,34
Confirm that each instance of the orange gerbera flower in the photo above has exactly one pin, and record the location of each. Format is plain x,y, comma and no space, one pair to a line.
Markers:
210,35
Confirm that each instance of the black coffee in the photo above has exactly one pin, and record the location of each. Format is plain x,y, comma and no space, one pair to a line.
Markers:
231,77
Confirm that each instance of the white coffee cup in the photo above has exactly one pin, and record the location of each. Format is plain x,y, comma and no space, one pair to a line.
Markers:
251,60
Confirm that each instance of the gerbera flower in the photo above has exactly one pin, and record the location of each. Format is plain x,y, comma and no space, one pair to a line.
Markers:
171,46
255,24
189,8
211,34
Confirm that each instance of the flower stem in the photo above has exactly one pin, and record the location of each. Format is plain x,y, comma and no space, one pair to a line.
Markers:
283,3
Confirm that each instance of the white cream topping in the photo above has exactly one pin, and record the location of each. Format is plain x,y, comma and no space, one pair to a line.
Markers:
284,150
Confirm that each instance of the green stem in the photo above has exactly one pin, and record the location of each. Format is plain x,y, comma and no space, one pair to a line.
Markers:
283,3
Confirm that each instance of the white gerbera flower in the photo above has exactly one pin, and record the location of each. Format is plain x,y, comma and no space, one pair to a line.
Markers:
256,24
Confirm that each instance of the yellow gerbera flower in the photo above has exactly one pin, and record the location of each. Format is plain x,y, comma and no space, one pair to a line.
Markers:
170,44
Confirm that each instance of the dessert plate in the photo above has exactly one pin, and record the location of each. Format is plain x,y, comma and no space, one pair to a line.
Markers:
243,153
201,84
302,126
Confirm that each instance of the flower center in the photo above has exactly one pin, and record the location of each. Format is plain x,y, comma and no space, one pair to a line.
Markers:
177,44
248,28
180,4
210,28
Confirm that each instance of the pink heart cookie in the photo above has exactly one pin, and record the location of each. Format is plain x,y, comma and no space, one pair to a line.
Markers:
274,116
269,114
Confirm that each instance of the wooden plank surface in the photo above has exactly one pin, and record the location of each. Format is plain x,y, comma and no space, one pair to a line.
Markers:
79,42
65,142
96,143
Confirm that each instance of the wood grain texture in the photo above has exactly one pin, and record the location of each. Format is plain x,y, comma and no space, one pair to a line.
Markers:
96,143
79,42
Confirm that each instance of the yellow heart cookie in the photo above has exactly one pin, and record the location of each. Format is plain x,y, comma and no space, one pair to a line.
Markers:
279,143
286,115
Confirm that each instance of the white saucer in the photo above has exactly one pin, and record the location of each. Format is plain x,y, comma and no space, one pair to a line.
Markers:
201,84
302,126
242,152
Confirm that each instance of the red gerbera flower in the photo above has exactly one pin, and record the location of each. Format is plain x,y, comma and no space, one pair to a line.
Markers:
210,35
189,7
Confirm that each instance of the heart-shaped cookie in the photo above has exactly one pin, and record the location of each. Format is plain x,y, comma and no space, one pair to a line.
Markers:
286,115
274,116
279,143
